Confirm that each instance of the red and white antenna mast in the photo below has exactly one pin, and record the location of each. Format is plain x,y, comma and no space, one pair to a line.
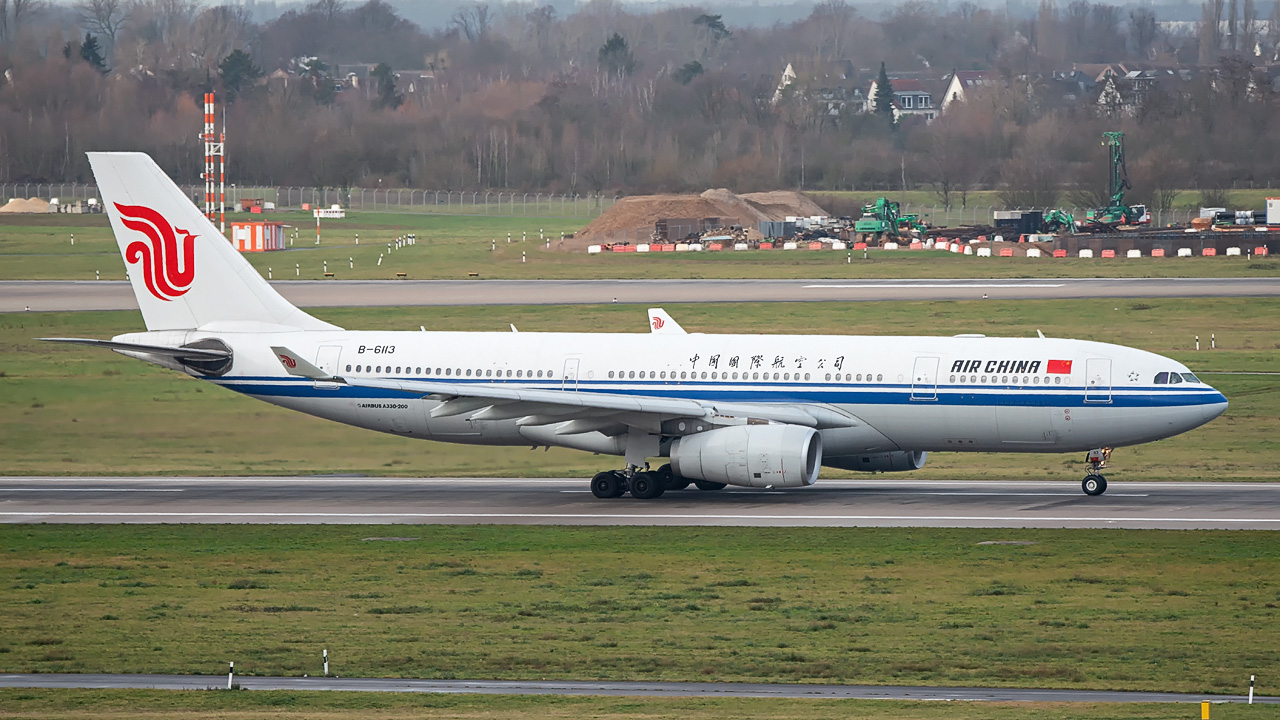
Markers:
214,147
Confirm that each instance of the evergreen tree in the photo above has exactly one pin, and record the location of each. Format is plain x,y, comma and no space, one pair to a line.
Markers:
884,94
615,57
91,53
686,73
388,97
237,72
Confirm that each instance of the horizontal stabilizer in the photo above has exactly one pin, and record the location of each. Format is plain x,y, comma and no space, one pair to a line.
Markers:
179,353
295,365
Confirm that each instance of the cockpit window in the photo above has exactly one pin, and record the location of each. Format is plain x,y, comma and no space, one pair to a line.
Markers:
1175,379
1162,378
1190,378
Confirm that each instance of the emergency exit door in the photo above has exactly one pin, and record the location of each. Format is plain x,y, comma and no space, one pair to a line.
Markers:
924,379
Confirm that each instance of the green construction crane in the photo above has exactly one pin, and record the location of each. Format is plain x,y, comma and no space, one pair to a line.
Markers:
884,218
1117,213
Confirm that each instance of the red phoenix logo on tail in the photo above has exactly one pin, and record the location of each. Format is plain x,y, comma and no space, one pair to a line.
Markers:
167,269
288,361
657,323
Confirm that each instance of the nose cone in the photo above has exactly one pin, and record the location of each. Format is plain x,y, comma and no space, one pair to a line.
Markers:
1215,407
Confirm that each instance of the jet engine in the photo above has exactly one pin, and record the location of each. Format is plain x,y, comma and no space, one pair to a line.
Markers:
751,455
879,462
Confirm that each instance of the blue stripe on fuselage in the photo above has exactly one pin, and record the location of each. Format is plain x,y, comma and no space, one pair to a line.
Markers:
803,393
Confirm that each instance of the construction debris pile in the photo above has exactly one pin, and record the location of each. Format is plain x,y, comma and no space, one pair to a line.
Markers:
31,205
660,219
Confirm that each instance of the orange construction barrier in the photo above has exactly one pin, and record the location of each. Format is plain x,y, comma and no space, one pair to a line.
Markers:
766,246
1209,252
860,246
1108,253
715,246
1157,252
668,247
815,246
917,246
1260,250
1006,252
1060,253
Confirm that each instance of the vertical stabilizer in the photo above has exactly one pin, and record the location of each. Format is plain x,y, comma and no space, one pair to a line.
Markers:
184,273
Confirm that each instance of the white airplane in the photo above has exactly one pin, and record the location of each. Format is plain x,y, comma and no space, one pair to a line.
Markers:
750,410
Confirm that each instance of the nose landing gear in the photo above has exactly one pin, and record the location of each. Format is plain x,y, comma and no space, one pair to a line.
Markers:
1095,483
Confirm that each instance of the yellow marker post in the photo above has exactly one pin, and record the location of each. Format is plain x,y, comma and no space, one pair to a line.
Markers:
1204,710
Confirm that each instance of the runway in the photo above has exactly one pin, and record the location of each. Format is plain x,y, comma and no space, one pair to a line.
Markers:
609,689
16,296
567,501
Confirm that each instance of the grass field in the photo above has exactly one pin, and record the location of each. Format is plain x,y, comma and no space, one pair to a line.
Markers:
67,410
452,247
155,705
1152,610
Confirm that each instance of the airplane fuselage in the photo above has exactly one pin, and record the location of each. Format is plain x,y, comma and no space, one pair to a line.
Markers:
962,393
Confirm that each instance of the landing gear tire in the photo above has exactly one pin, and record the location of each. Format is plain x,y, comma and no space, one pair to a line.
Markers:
647,486
1094,485
607,485
670,480
708,485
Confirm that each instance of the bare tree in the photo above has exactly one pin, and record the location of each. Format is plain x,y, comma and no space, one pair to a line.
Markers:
1143,29
1248,26
21,11
1210,30
328,9
472,20
4,19
103,18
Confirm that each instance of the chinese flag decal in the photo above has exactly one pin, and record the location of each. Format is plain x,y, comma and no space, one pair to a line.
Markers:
1059,367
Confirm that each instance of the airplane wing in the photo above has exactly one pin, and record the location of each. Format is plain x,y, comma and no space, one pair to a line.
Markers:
536,406
178,353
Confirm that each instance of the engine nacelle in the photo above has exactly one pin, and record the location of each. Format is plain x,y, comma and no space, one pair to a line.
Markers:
751,455
896,461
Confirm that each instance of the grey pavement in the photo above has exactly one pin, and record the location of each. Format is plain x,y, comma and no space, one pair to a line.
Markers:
609,689
899,502
66,295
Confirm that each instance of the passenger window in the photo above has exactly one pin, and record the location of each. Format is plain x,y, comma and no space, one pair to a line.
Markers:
806,376
519,373
1162,378
539,373
1190,378
610,374
631,374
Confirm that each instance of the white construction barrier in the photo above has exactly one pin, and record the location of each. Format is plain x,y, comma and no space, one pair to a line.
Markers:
642,247
1033,252
958,248
740,246
789,246
1233,251
1184,252
968,249
998,238
837,245
1134,253
984,252
695,247
891,246
682,247
1086,253
942,245
593,249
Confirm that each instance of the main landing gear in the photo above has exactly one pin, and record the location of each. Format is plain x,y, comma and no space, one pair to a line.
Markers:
644,484
1095,483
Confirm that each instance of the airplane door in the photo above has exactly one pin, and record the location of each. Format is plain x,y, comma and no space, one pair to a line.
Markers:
569,380
1097,378
924,379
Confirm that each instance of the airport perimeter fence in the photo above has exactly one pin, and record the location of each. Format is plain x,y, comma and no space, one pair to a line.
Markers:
439,202
489,203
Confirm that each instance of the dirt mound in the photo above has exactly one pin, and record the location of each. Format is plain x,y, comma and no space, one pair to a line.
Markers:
632,219
734,206
778,204
33,205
